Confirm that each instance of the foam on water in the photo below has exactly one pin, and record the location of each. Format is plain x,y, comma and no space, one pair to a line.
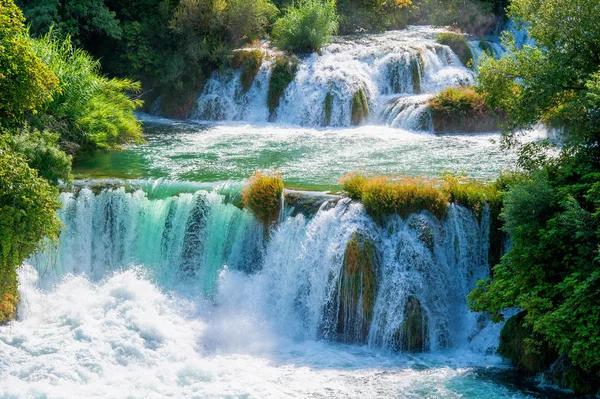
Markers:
124,337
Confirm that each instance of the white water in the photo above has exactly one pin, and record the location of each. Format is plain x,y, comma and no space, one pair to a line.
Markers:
183,298
388,67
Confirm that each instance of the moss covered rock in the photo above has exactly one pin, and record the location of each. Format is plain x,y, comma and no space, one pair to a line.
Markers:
249,62
513,346
461,110
415,67
413,334
282,74
565,374
357,290
328,109
360,107
458,44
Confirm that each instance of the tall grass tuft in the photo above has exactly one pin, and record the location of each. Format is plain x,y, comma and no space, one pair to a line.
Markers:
89,110
262,197
283,72
249,62
383,196
306,26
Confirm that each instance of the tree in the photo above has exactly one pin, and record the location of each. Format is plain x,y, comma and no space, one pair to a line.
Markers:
552,270
25,82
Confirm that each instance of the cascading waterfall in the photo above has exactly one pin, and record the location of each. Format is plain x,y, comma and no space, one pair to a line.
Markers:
405,290
392,67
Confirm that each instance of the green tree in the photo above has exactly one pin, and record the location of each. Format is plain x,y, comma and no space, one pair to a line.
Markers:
25,82
28,205
552,270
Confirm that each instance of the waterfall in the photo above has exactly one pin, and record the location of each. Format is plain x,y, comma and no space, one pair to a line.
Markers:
405,290
390,67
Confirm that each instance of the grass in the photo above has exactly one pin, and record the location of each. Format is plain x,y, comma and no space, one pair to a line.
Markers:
388,195
282,74
306,26
459,45
262,197
249,62
360,107
383,195
461,109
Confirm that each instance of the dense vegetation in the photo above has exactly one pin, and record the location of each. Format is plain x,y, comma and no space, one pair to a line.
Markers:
262,196
172,46
53,101
553,216
461,109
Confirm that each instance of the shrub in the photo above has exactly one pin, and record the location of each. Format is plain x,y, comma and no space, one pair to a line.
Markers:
249,62
282,74
383,196
247,20
263,197
25,82
89,110
360,107
306,26
461,109
42,153
28,205
459,45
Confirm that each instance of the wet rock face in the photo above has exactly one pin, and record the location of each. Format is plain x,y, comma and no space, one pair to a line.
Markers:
512,346
564,374
413,333
357,290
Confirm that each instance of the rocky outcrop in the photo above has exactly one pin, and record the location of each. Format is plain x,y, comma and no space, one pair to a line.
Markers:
357,290
413,333
360,107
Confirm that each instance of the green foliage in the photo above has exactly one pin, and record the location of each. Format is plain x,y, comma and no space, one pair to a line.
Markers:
458,44
461,109
477,17
28,205
249,62
360,107
372,15
263,197
42,152
513,345
25,82
89,110
384,196
283,72
247,20
306,26
83,20
555,81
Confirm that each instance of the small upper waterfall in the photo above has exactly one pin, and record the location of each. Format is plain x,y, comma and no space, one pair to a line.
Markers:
327,271
399,67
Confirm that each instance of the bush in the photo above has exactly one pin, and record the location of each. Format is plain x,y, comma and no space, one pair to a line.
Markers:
42,153
282,74
28,205
459,45
25,82
249,62
383,196
89,110
461,109
306,26
263,197
247,20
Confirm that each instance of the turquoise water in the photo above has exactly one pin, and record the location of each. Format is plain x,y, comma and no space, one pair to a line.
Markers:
307,158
